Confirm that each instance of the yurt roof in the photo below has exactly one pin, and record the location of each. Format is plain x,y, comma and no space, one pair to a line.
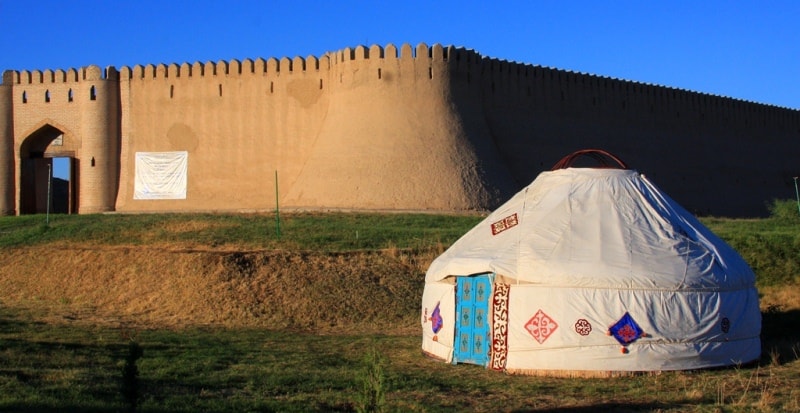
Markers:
606,227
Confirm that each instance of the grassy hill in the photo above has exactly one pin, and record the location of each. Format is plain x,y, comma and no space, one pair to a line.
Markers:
252,312
307,271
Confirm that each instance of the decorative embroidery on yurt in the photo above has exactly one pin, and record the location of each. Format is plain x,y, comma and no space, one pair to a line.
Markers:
504,224
436,320
541,326
499,351
725,325
626,330
583,327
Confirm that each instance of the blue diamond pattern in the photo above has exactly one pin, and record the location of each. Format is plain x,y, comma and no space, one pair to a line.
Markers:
626,330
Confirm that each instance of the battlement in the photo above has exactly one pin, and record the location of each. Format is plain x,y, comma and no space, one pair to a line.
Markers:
461,60
88,74
272,65
508,78
224,68
435,53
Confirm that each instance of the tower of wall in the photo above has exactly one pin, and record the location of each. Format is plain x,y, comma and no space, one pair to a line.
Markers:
393,140
7,162
99,157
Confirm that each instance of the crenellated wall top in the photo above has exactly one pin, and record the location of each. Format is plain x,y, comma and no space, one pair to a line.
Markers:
459,58
437,52
286,64
89,73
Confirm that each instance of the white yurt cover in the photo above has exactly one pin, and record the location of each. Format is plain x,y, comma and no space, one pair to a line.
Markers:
598,270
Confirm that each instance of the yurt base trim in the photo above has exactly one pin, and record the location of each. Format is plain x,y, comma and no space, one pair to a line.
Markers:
592,374
585,374
433,356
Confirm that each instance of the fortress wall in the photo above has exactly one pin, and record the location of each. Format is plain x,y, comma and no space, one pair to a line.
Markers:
488,124
391,138
469,97
408,127
704,150
357,128
239,121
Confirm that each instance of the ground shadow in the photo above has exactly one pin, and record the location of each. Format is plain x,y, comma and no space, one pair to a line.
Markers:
611,407
780,337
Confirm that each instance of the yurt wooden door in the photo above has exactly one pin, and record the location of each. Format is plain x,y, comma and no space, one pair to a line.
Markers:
472,319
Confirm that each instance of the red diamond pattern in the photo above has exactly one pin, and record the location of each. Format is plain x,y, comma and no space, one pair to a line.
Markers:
541,326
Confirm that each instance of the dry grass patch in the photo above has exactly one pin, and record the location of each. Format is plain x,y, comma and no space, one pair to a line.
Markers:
783,297
156,287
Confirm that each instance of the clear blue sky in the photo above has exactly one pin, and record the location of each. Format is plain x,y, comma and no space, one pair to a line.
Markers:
742,49
747,50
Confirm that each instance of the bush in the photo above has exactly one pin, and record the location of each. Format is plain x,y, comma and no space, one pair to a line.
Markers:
784,210
372,384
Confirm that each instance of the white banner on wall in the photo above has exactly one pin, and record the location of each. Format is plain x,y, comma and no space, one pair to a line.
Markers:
161,175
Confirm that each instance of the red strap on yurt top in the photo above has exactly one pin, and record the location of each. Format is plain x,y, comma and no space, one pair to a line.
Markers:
599,155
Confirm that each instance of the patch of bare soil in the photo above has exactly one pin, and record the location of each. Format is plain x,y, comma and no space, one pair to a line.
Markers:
145,287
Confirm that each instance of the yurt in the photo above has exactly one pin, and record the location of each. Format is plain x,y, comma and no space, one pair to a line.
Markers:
590,271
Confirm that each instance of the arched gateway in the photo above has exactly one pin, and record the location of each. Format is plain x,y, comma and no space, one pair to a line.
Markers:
38,187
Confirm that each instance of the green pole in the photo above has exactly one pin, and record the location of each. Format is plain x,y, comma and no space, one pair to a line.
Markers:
277,208
797,193
49,182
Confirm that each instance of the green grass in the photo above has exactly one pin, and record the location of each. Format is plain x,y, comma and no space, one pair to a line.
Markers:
74,367
79,369
328,232
771,246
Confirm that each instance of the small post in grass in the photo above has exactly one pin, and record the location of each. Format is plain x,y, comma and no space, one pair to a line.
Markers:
49,195
797,194
130,375
277,208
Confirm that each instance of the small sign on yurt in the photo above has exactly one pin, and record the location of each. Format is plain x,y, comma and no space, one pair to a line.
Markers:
591,271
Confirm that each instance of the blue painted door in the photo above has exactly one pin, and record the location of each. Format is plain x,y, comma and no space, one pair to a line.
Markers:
472,319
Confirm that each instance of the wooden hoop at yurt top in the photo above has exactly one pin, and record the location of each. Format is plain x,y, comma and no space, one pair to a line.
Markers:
601,156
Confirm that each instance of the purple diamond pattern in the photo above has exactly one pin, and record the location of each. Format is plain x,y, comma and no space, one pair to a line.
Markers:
436,320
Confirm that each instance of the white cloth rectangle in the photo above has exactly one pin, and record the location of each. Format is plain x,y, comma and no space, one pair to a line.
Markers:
161,175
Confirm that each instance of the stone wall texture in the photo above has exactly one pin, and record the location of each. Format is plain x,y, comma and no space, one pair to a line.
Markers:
425,128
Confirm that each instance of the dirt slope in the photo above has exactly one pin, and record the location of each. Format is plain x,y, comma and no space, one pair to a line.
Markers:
376,291
173,287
